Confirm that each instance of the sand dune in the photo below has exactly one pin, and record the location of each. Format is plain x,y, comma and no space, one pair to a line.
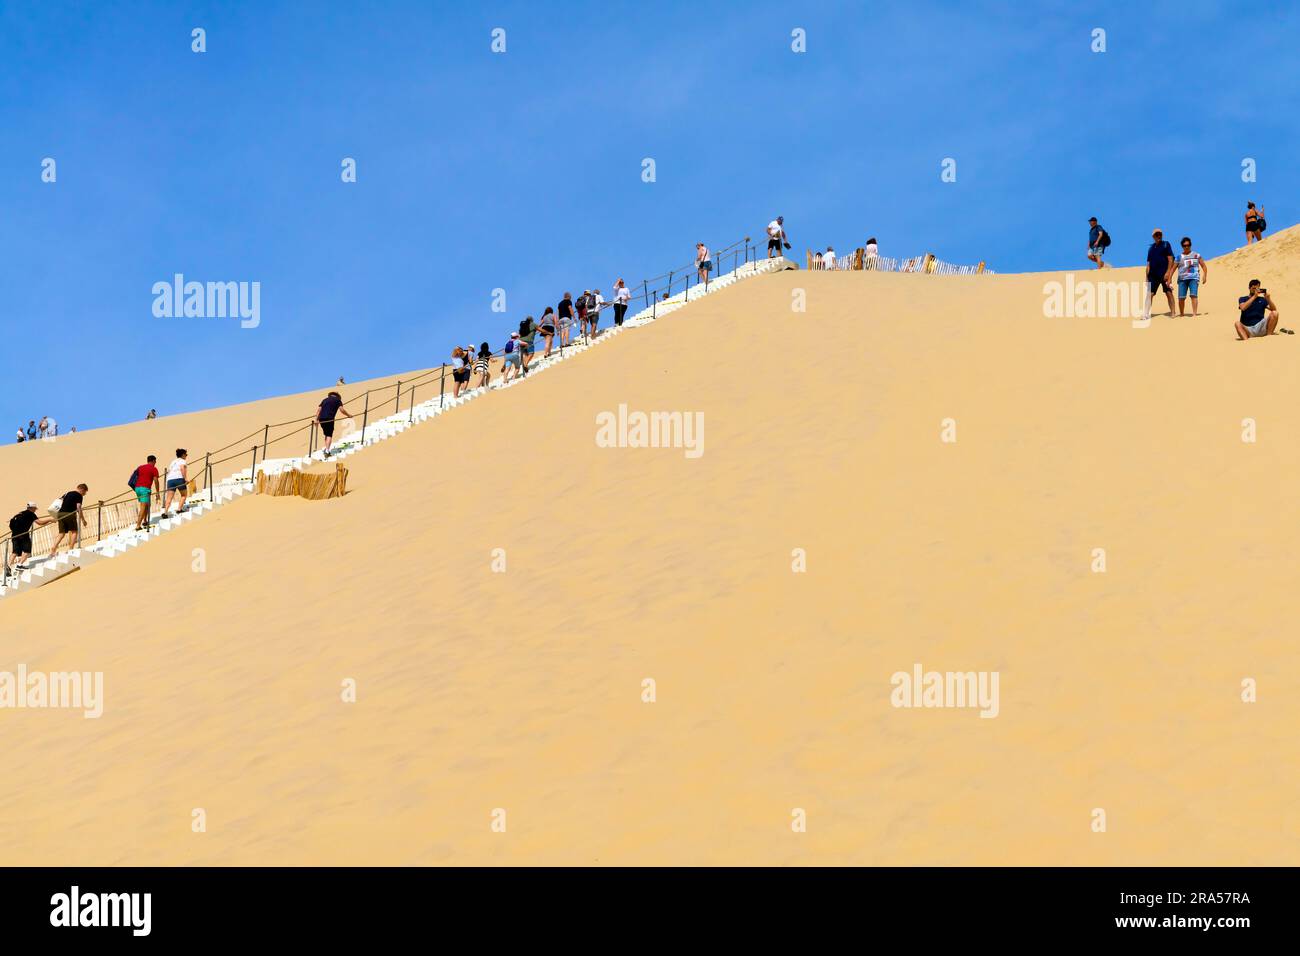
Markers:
522,690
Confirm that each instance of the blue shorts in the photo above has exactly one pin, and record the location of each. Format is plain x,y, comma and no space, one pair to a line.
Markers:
174,483
513,359
1188,285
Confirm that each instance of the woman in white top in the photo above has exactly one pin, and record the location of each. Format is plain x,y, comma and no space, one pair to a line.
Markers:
703,264
177,481
622,295
869,254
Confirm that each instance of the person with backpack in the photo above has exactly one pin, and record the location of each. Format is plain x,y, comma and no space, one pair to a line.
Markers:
68,510
1161,264
144,482
511,361
580,307
1255,223
20,530
527,333
1098,241
1192,271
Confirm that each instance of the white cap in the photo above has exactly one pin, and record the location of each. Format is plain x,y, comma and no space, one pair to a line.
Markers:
32,504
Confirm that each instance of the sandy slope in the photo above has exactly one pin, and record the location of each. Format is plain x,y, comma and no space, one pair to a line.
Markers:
521,690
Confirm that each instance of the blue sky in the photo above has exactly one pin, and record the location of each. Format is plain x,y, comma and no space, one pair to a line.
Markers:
522,170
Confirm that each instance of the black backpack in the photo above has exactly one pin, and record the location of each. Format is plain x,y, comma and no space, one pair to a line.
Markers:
130,482
1263,223
14,525
1104,239
525,326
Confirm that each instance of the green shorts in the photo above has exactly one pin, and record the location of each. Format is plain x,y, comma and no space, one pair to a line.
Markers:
142,495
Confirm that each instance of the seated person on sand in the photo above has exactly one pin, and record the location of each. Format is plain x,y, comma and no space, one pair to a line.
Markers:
1258,314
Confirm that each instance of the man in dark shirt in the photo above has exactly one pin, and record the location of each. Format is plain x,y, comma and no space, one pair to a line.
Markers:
331,407
69,513
565,311
1161,263
1258,313
1095,249
20,526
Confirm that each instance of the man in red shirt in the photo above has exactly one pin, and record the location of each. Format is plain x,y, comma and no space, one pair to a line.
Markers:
144,481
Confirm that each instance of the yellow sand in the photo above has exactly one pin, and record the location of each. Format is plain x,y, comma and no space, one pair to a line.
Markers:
522,690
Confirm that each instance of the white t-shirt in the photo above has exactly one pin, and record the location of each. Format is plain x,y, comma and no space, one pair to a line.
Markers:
174,469
623,295
1189,266
871,249
774,229
829,258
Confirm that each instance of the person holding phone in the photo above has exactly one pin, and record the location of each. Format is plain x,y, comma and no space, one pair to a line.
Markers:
1258,314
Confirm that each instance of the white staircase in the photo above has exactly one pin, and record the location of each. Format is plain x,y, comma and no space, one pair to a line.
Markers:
42,571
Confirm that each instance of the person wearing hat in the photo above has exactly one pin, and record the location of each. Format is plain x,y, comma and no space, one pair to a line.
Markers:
1095,248
20,527
776,237
1161,264
512,358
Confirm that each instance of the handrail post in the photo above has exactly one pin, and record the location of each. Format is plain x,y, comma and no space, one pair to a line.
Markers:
99,521
411,418
397,401
266,431
442,385
365,417
207,474
252,475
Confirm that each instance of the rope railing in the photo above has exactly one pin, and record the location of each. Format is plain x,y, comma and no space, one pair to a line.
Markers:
110,516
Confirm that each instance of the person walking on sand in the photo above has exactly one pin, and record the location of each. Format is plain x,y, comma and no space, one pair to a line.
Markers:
144,482
703,264
546,326
178,481
330,407
1258,314
565,312
483,365
1255,223
20,529
776,237
68,515
1160,270
622,296
1098,240
1192,271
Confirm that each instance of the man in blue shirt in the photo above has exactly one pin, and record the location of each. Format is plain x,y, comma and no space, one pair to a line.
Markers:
1095,249
1160,269
1258,314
